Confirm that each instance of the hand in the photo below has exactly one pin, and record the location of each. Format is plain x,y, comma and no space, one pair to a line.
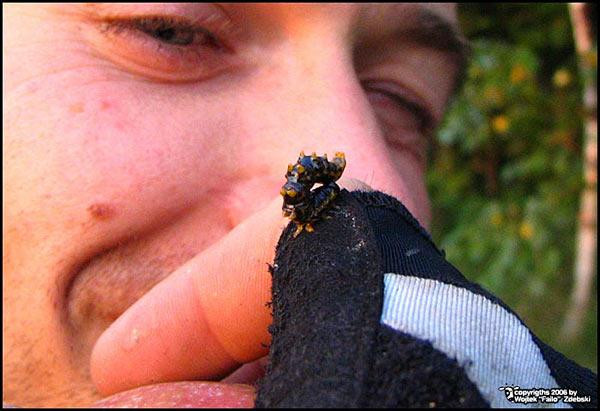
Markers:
202,322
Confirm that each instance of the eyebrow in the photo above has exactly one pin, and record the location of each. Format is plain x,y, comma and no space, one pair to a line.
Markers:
434,31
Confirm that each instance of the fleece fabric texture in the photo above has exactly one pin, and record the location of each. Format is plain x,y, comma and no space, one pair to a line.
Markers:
329,346
403,245
327,297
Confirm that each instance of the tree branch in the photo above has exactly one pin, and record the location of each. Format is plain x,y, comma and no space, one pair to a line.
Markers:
587,231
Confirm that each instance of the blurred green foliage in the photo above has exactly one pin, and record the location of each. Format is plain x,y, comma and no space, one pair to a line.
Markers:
506,166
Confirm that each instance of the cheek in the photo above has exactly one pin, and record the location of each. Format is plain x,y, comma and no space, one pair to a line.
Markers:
121,143
124,151
101,162
412,173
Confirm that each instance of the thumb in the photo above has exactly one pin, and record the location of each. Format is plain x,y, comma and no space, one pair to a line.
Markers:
202,321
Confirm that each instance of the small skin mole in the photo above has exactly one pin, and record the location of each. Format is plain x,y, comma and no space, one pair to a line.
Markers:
101,211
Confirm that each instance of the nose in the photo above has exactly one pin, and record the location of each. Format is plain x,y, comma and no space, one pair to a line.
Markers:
321,106
311,100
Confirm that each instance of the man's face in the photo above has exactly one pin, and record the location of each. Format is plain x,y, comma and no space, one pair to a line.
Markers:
137,135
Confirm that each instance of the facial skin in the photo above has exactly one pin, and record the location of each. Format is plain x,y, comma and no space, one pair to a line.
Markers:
127,157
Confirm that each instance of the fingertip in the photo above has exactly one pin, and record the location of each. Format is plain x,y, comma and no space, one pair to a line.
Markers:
353,184
200,322
162,337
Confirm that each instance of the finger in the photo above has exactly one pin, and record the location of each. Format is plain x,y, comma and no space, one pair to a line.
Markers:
202,321
353,184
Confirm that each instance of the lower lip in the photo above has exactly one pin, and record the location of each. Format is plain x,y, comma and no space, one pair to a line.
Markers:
183,394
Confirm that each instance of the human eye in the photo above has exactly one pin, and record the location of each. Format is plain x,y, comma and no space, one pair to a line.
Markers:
167,47
404,117
167,30
411,112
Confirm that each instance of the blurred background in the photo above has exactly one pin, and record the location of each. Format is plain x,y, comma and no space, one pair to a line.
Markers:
510,192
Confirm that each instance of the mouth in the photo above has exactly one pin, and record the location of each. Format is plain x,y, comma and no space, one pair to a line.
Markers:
238,390
183,394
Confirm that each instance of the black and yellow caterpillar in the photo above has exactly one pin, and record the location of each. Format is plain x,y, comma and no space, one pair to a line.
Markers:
302,205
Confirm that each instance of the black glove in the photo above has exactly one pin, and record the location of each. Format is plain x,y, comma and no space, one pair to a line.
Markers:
368,313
